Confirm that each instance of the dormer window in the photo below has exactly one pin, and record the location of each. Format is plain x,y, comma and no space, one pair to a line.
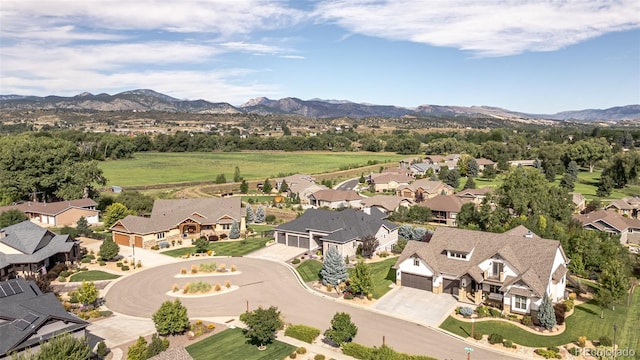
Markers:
416,262
457,255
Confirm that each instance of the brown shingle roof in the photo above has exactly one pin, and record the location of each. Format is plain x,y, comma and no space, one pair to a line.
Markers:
449,203
52,208
332,195
388,202
385,178
601,218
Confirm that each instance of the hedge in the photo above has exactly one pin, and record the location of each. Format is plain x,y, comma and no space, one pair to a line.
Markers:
302,332
364,352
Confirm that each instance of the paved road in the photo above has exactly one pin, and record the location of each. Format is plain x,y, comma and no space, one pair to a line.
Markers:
265,283
347,185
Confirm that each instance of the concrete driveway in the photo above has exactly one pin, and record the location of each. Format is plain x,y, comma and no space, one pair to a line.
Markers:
265,283
278,252
418,305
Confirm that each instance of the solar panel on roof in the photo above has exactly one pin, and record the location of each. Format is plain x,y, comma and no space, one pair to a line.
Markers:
7,289
30,318
21,324
15,286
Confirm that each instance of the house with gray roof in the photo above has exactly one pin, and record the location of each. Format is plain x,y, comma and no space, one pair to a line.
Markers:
173,219
29,317
512,270
344,230
28,249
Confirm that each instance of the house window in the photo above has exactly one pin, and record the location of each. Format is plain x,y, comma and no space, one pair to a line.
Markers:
160,235
226,226
416,262
520,302
453,215
494,289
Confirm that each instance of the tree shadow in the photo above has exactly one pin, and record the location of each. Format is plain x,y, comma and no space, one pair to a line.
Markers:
391,275
589,311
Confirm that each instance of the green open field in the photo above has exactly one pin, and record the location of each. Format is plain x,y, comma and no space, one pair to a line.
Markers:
585,321
381,271
232,344
149,168
224,248
92,275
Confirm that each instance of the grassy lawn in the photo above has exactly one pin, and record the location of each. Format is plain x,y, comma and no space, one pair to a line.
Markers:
585,321
148,168
309,270
260,228
257,199
382,273
231,344
92,275
224,248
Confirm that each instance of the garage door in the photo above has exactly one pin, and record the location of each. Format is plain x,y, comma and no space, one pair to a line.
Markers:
293,241
451,287
281,238
121,239
417,281
304,243
138,241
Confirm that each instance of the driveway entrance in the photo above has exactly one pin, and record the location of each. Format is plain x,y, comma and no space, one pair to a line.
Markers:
278,252
419,305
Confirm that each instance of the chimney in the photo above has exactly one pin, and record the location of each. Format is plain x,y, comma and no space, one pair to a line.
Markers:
3,234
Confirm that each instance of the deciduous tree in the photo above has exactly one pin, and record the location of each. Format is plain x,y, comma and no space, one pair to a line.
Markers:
63,347
87,293
262,325
109,249
115,212
342,329
138,351
202,244
171,318
361,281
369,246
12,217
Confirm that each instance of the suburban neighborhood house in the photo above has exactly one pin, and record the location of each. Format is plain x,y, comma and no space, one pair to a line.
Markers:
387,204
344,230
445,208
579,201
29,317
300,186
27,249
60,213
628,206
335,199
475,196
423,189
180,218
613,223
388,181
512,270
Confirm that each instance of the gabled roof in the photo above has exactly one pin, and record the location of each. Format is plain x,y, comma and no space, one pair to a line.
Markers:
514,246
168,213
26,310
428,186
620,204
577,198
475,192
332,195
602,219
341,226
388,202
449,203
484,162
52,208
32,244
385,178
422,167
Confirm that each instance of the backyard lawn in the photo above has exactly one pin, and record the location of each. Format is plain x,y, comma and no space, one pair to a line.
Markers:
147,168
260,228
92,275
232,344
381,271
585,321
224,248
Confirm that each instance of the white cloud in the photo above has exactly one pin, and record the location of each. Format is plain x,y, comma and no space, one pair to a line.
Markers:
295,57
485,28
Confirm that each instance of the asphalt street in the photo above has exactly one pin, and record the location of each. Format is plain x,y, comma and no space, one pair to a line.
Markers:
265,283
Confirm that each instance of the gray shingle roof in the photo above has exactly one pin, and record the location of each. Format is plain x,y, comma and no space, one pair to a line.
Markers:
33,242
342,226
26,312
531,256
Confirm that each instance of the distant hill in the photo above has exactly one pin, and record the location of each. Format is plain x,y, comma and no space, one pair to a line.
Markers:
149,100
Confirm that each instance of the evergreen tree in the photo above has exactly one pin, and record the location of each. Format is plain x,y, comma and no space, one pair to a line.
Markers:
138,351
234,232
605,186
473,169
244,187
171,318
604,299
267,187
342,329
284,187
567,182
444,172
260,215
361,281
469,184
405,231
250,217
614,278
156,346
109,249
572,170
334,270
236,175
102,350
489,172
453,178
546,314
82,226
362,180
63,347
221,179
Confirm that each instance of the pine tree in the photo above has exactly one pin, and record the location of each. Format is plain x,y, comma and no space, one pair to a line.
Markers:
236,175
546,314
138,351
470,184
267,187
250,217
82,226
334,270
260,215
155,346
473,168
234,233
244,187
284,187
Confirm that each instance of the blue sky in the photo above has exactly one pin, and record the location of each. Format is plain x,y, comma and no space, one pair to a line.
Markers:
529,56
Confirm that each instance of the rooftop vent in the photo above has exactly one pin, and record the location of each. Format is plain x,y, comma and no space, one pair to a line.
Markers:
529,234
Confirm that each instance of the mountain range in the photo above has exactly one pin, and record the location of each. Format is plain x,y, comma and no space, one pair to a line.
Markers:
149,100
